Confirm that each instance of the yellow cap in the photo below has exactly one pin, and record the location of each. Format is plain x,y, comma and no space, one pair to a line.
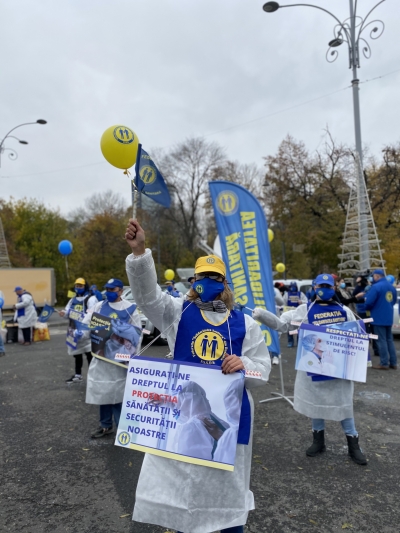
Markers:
210,263
80,281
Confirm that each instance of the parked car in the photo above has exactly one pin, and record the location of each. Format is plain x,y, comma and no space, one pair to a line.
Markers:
302,284
146,324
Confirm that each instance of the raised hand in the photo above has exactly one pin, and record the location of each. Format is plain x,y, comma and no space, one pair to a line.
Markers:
135,237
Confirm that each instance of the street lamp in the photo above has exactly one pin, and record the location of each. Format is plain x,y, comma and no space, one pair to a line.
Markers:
351,31
13,154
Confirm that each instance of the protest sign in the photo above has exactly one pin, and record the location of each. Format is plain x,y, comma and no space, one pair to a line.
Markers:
337,350
183,411
112,338
73,332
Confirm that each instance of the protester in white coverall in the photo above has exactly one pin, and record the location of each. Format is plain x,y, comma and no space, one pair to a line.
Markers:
106,381
183,496
320,398
25,314
81,302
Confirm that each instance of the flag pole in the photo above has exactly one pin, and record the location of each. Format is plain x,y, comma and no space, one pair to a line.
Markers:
134,199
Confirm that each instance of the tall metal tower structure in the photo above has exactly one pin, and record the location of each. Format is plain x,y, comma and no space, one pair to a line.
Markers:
353,32
4,259
359,231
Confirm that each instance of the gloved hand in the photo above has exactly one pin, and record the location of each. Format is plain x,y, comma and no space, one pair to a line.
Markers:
78,334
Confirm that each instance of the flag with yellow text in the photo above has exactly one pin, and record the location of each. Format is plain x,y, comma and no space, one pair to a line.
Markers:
243,232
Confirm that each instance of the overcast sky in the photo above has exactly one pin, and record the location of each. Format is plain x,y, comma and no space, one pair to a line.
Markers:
171,69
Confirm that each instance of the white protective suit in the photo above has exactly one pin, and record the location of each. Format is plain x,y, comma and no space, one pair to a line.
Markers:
83,345
178,495
29,319
330,400
106,381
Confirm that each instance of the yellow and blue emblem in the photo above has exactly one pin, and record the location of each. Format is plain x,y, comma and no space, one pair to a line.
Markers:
148,174
208,345
227,203
124,438
123,135
389,296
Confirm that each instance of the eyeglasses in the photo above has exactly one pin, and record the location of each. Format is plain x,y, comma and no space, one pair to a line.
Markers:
215,277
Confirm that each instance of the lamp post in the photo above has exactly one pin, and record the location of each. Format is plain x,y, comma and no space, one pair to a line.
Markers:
351,31
13,154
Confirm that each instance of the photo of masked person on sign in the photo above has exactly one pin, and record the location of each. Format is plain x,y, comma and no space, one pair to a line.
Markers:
314,356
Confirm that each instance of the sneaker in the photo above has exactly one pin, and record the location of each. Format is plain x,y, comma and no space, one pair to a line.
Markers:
102,432
74,379
275,360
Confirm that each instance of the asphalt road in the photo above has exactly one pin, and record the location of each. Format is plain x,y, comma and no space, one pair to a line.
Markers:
54,478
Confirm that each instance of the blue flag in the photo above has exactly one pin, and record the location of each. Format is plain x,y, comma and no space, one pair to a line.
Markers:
46,313
243,233
149,179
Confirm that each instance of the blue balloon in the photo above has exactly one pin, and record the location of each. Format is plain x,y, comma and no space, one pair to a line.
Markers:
1,303
65,247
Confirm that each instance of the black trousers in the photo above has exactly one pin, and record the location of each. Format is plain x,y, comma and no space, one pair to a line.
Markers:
79,362
27,333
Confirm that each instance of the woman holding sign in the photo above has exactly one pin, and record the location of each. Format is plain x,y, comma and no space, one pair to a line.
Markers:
203,328
326,398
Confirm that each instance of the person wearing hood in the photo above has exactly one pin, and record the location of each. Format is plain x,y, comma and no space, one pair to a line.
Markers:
292,299
380,301
199,429
81,302
25,313
204,329
321,398
106,381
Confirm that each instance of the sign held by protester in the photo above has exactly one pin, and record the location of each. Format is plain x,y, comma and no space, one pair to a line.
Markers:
112,338
182,411
336,350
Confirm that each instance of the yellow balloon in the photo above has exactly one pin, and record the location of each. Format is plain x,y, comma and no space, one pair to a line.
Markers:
119,145
169,274
280,267
270,235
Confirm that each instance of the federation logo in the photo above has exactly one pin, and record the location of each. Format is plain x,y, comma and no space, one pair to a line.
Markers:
148,175
45,313
113,315
209,345
123,135
199,289
210,260
227,203
124,438
325,277
78,308
389,296
320,293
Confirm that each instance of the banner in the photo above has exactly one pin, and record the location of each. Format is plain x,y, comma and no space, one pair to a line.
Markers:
337,350
46,313
183,411
243,232
112,338
149,179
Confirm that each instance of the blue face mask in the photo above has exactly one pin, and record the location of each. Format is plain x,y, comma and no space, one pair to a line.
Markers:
208,289
324,293
79,292
342,285
112,296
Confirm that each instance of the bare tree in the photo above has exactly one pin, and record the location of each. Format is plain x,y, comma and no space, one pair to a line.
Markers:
187,169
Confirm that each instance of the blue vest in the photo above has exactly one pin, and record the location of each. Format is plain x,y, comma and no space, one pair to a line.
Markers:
123,314
321,315
294,299
199,341
80,306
